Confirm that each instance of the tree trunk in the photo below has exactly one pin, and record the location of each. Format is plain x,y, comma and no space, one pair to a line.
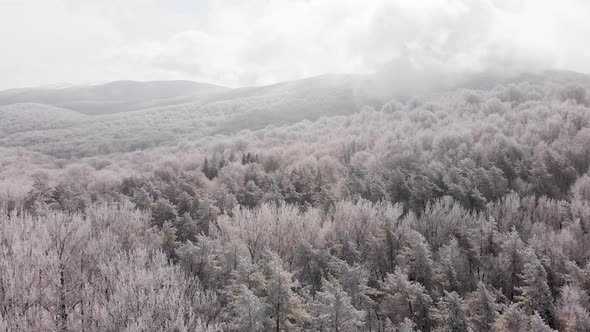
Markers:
62,324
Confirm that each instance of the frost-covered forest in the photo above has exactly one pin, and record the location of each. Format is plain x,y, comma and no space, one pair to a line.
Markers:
303,206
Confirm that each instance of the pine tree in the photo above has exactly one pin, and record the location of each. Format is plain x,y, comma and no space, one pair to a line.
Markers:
403,298
211,169
284,305
481,308
512,319
445,272
512,263
417,257
333,310
163,210
205,168
572,308
537,324
535,293
248,310
452,313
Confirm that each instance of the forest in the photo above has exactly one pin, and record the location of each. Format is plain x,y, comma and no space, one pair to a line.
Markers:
306,206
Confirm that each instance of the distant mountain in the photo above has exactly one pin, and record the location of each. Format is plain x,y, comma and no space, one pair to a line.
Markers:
287,102
22,118
114,97
129,116
395,82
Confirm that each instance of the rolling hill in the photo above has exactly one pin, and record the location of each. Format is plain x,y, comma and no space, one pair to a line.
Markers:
114,97
127,116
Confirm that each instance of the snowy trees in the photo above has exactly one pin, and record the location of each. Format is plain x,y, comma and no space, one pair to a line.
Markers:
285,308
512,263
362,266
452,212
417,257
248,310
512,320
91,272
406,299
452,313
333,310
572,310
574,92
482,309
535,293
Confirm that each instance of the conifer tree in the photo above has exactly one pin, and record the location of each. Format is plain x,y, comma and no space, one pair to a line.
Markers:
334,311
535,293
452,313
481,308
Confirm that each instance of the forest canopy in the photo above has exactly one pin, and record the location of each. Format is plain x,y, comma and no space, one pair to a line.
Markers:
299,207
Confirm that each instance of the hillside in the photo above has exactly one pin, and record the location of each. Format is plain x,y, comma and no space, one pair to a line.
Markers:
225,112
462,206
22,118
114,97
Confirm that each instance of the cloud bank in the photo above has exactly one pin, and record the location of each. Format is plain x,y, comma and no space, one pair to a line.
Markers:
237,43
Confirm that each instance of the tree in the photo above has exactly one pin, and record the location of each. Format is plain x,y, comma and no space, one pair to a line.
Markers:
445,273
574,92
572,309
163,210
333,310
250,195
535,293
452,313
40,197
538,325
211,169
481,308
512,319
417,257
248,311
581,188
512,263
203,259
248,228
285,307
102,270
403,298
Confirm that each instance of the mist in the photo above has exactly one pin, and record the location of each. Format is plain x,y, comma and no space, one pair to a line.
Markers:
235,44
294,165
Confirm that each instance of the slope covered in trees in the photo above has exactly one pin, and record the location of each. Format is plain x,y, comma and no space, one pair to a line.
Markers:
114,97
225,111
453,211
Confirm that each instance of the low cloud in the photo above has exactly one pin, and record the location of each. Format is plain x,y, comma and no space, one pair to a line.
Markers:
235,43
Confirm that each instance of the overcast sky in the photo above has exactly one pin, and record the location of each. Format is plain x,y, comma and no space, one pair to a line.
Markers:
247,42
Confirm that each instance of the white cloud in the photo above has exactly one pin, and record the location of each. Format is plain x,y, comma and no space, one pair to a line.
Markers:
235,43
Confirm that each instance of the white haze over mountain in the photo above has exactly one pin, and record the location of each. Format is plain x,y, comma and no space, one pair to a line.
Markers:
241,43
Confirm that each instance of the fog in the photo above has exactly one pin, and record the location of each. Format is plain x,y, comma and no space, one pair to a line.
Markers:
237,43
304,165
